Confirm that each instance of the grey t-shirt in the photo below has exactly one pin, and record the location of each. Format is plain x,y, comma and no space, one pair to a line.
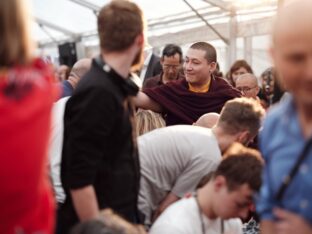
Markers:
174,159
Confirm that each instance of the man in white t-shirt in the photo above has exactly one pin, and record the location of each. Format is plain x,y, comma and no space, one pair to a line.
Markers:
174,159
218,204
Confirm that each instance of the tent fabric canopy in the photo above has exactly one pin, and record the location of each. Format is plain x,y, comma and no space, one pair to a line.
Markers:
75,20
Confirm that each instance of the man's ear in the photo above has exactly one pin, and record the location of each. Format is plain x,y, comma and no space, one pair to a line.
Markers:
257,90
243,137
161,60
140,40
219,182
212,67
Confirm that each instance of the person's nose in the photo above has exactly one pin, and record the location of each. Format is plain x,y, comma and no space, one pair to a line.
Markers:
187,66
171,69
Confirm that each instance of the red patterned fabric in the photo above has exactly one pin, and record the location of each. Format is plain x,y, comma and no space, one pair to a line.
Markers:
26,97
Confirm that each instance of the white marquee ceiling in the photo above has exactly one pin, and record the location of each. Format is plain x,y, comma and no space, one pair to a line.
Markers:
68,20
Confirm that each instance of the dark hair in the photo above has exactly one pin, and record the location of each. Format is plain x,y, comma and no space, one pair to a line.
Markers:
241,114
270,76
205,179
217,72
119,23
211,53
238,64
241,165
171,50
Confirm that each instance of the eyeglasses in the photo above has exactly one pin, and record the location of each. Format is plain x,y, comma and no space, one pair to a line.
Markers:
245,89
167,67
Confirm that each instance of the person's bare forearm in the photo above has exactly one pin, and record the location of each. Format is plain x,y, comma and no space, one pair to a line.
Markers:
167,201
85,203
145,102
267,227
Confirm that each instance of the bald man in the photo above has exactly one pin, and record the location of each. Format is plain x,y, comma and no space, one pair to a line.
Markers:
248,85
79,69
207,120
287,130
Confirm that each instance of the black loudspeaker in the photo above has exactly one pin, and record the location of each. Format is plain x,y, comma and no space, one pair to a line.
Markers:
68,53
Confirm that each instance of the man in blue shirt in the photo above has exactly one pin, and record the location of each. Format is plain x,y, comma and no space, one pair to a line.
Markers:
289,125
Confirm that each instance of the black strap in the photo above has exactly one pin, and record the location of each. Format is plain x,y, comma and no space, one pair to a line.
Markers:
287,180
127,85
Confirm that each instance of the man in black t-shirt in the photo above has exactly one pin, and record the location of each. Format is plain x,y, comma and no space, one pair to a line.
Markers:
100,166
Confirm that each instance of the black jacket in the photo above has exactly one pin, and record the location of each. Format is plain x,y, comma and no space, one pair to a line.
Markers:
99,146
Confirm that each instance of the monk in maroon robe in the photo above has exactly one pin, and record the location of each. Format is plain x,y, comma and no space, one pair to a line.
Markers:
185,107
184,101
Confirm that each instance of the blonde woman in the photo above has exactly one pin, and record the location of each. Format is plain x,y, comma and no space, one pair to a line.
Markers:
26,97
147,121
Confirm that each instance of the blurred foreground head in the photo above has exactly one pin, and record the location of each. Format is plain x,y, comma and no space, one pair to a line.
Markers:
16,45
108,223
292,49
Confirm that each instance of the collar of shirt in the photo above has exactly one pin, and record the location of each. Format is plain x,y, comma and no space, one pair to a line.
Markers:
203,89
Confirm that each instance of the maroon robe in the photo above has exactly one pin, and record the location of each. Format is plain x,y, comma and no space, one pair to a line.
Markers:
182,106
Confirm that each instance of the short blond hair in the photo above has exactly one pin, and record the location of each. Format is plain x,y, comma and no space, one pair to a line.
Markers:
16,46
241,114
147,121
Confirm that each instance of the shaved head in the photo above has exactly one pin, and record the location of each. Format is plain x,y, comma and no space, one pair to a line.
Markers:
293,17
207,120
292,49
79,69
247,78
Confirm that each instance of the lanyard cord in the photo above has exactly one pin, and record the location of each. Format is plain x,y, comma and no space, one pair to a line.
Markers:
201,216
288,179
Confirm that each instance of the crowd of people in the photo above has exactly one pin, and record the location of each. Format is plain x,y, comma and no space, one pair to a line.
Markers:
85,150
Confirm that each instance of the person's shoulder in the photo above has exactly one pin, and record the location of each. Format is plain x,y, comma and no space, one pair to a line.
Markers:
220,83
189,131
182,129
96,83
36,74
151,82
275,113
181,209
179,83
94,77
280,107
233,225
194,131
177,218
61,102
170,131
